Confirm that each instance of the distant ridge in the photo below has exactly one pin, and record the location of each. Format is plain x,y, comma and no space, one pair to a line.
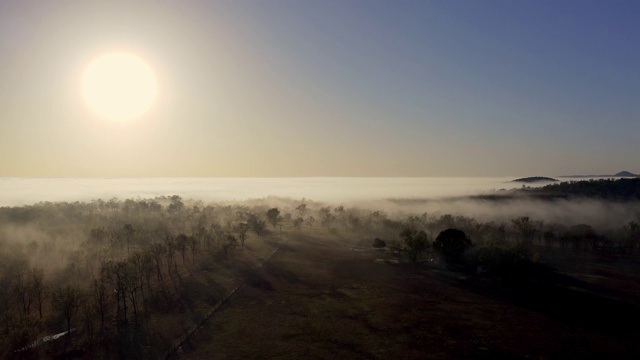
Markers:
619,174
625,174
533,179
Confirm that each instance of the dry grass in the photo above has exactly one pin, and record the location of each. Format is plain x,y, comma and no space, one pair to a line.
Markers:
324,296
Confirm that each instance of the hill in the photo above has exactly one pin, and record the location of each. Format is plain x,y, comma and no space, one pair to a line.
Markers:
534,179
625,189
619,174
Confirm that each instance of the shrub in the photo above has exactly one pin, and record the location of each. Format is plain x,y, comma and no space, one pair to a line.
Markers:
512,264
415,243
379,243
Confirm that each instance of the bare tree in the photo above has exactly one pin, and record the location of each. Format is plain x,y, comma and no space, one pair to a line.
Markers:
66,300
21,287
128,232
99,297
132,280
37,288
158,250
181,243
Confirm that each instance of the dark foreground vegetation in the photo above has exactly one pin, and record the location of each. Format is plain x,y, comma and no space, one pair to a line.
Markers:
620,190
127,279
610,189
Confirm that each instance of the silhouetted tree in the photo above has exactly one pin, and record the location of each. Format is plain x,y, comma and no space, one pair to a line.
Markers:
580,237
230,242
341,215
257,225
241,230
631,237
128,232
100,298
525,228
301,209
452,243
176,204
310,220
37,288
326,218
354,222
67,300
158,250
181,244
273,215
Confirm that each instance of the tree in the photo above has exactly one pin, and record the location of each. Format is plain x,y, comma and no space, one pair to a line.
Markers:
100,298
452,243
241,230
181,243
310,220
302,208
525,228
297,223
340,215
415,243
158,250
33,249
230,242
326,218
37,287
176,205
67,300
374,220
117,273
20,289
273,215
128,231
631,237
581,237
354,222
132,280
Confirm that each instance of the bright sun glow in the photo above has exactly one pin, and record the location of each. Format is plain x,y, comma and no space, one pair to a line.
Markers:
119,86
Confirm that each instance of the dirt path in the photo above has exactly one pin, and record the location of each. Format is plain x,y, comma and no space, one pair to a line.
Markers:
324,297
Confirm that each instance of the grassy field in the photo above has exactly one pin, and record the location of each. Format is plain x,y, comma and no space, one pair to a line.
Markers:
323,295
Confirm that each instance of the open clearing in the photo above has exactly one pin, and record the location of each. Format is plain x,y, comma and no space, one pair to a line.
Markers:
323,296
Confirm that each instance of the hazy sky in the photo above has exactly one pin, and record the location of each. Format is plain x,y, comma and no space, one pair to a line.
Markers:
327,88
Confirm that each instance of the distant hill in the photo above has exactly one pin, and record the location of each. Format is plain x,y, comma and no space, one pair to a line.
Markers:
620,174
625,174
625,189
534,179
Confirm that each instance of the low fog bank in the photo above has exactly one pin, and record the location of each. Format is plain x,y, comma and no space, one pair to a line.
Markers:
25,191
55,235
66,240
397,197
600,214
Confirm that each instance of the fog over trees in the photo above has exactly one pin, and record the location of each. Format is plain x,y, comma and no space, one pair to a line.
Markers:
114,274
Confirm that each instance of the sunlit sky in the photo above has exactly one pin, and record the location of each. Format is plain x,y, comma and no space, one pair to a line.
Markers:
270,88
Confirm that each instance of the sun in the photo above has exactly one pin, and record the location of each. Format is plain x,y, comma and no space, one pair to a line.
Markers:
119,86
